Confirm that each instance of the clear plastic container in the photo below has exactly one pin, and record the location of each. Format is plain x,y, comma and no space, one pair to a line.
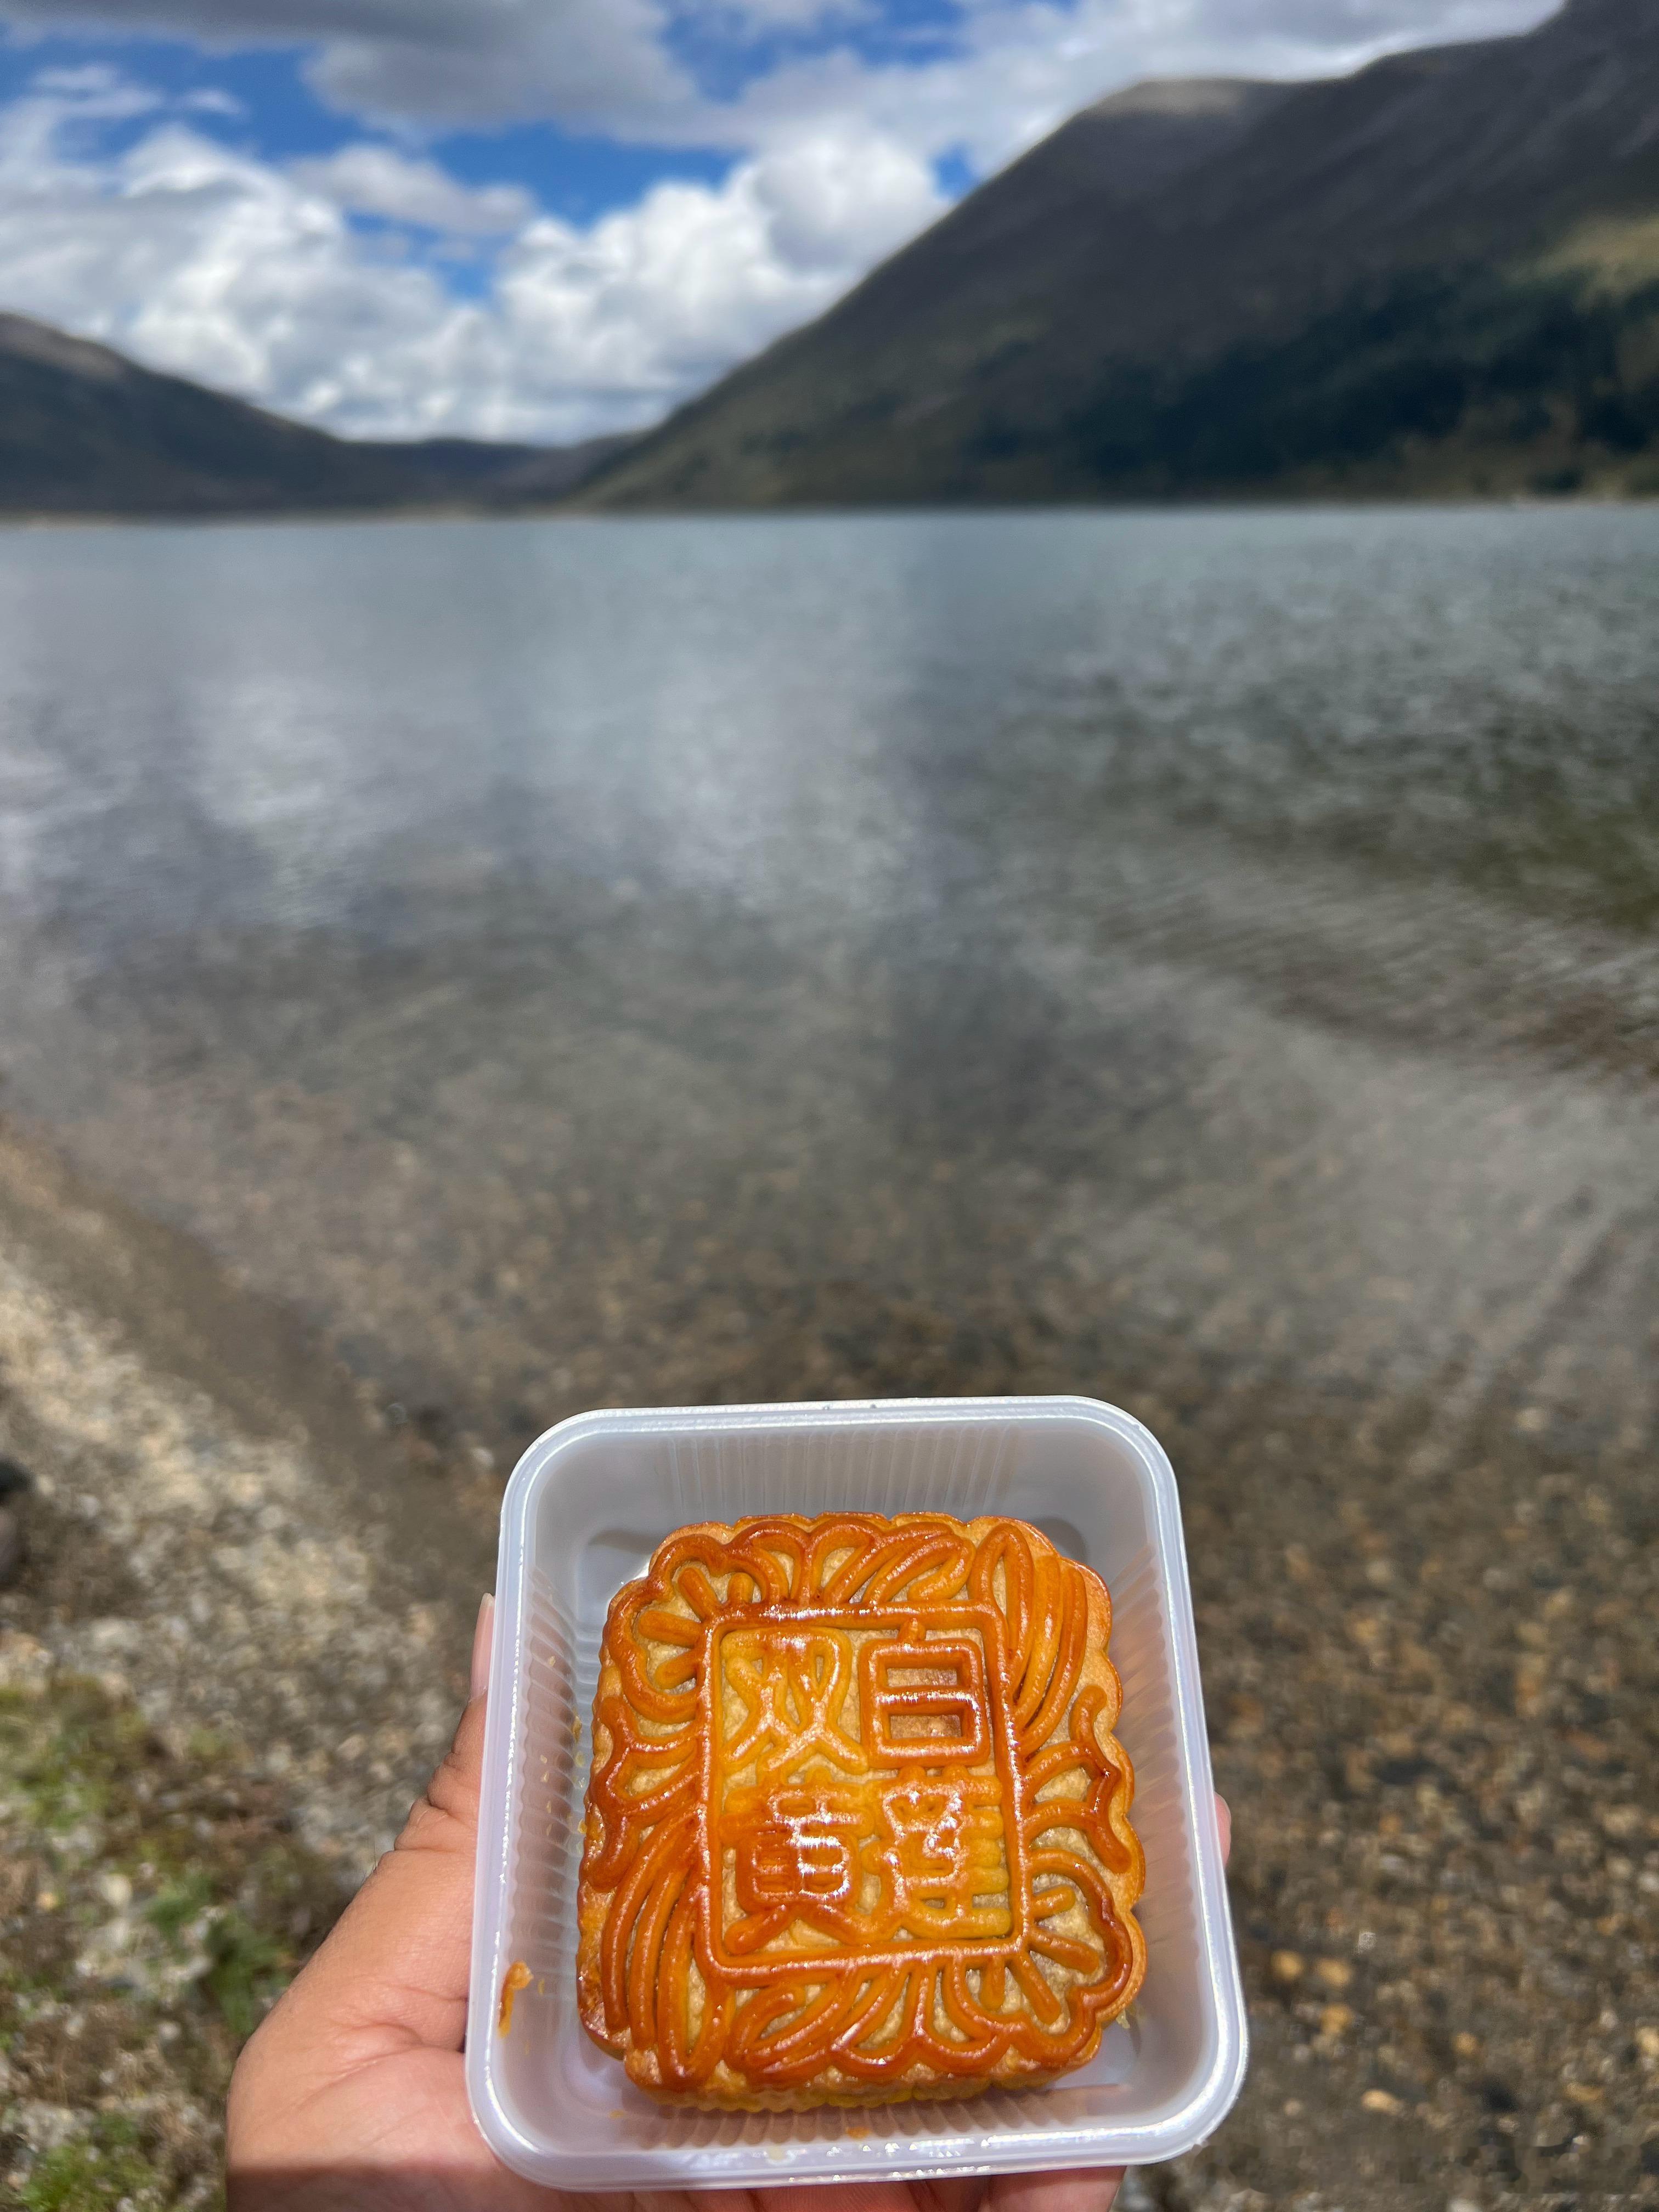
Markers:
587,1506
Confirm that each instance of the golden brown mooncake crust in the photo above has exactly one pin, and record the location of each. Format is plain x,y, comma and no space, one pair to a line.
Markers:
858,1826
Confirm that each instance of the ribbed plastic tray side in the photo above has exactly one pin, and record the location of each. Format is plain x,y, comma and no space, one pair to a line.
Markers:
733,1475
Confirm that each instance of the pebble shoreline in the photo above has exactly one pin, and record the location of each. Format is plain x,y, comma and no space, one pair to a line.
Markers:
1433,1706
220,1690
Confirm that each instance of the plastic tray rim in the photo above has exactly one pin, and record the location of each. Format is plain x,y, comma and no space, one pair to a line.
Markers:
1164,2136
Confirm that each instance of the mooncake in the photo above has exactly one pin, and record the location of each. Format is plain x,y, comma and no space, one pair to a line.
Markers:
857,1825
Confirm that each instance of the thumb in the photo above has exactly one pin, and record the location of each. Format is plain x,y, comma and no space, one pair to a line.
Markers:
392,1974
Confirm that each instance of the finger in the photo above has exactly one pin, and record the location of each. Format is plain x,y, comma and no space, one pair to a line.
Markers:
835,2197
967,2194
1090,2189
1223,1815
483,1636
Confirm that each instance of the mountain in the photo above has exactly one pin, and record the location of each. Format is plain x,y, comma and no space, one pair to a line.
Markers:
83,430
1439,274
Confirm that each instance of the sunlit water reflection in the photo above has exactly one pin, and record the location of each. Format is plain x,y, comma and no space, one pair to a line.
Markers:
656,959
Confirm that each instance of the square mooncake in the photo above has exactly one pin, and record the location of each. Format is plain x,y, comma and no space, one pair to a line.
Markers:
857,1824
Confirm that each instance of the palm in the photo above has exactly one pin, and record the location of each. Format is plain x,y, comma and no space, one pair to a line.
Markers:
395,2134
403,2141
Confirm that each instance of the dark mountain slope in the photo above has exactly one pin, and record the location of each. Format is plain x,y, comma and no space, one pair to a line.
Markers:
83,430
1439,274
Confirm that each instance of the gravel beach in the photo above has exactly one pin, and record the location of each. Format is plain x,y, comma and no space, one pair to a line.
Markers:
224,1674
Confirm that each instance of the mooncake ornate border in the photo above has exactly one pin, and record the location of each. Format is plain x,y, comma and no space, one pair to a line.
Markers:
846,2031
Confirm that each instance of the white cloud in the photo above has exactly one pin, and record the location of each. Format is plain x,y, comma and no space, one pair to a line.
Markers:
738,18
370,179
211,101
608,65
659,298
202,260
594,64
89,81
92,93
834,203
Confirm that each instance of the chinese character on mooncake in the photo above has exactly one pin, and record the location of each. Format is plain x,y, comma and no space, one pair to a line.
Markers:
858,1826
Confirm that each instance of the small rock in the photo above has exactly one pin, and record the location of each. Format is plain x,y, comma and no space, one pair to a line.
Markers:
44,2127
1335,2020
12,1550
1379,2101
1286,1966
25,1663
1335,1973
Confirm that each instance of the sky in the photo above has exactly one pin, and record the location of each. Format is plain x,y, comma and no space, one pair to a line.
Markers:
547,220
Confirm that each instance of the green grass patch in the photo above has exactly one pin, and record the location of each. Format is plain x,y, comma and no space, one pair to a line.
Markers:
96,2173
152,1905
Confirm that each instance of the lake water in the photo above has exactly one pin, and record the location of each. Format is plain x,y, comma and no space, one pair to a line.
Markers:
585,961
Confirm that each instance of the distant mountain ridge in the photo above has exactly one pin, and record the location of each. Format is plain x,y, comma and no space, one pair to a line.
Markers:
83,430
1439,274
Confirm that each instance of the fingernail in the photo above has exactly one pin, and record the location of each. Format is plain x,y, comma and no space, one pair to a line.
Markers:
482,1636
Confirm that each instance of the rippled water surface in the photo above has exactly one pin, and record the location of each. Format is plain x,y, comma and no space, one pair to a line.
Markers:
644,960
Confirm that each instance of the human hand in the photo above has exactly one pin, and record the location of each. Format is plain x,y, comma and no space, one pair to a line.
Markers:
351,2097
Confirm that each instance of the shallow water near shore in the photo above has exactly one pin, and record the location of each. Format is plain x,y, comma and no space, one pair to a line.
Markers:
1206,961
661,960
